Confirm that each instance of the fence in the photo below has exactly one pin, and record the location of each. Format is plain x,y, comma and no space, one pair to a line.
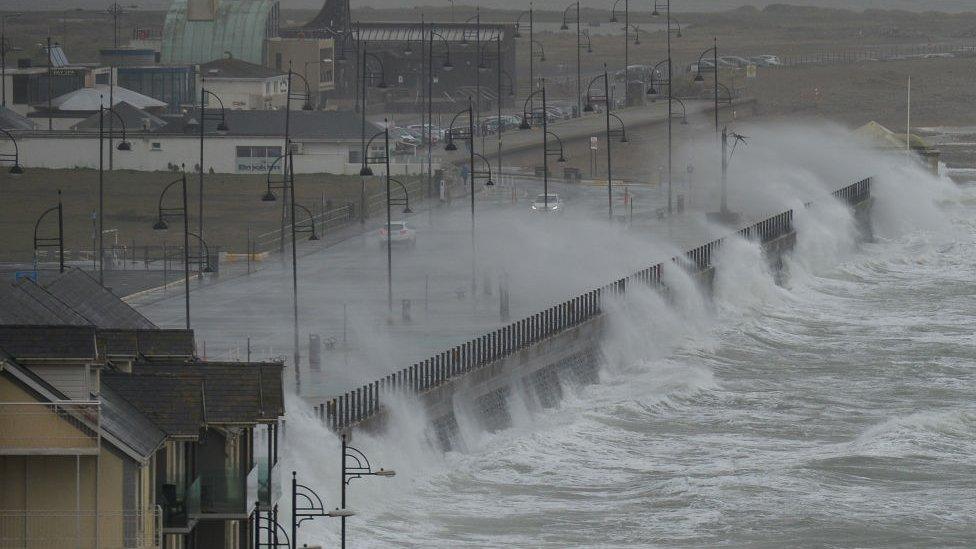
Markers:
856,54
346,410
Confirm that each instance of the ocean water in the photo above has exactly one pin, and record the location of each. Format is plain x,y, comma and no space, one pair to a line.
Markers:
837,409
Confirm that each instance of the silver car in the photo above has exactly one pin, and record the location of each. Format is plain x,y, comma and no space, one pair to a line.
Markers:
552,200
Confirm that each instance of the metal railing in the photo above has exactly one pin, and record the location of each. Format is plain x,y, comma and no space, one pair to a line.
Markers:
344,411
52,428
132,529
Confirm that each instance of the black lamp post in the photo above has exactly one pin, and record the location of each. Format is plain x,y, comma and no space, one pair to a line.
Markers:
305,98
390,202
162,214
590,99
460,135
51,241
122,146
367,76
446,66
3,54
656,12
15,170
355,465
307,505
579,48
288,193
547,152
701,79
221,119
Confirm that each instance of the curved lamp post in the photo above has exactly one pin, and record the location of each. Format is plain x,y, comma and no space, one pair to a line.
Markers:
390,202
221,119
456,134
122,146
677,31
355,465
164,213
446,66
307,505
605,99
579,58
16,169
51,241
701,79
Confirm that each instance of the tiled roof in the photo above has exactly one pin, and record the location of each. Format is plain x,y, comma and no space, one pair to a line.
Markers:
324,125
172,403
128,424
26,303
135,119
234,392
148,343
89,99
100,307
40,342
12,120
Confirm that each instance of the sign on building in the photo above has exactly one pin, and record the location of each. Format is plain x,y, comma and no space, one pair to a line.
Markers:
593,143
257,159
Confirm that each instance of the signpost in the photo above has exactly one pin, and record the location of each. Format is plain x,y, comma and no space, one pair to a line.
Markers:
594,141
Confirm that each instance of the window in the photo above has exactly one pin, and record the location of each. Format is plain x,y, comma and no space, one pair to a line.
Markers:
278,61
257,159
157,146
355,156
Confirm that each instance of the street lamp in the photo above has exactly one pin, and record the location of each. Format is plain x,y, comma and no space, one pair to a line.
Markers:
310,508
701,79
305,98
669,30
16,170
390,202
122,146
359,468
579,59
221,128
446,66
162,214
590,99
661,81
546,151
288,186
613,19
459,134
366,75
51,241
3,54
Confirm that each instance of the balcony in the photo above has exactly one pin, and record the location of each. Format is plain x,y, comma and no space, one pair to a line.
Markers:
49,428
222,494
177,508
135,529
265,496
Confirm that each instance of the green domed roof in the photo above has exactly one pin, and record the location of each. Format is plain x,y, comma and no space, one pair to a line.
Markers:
239,27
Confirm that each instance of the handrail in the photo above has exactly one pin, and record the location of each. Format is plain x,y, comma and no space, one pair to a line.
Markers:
344,411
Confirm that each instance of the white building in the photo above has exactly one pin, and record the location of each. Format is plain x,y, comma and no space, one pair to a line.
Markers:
245,86
323,142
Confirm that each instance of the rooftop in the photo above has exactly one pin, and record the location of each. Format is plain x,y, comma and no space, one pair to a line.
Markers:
89,99
133,117
326,125
229,67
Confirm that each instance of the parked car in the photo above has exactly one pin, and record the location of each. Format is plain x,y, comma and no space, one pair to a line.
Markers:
735,61
551,199
418,130
401,234
766,60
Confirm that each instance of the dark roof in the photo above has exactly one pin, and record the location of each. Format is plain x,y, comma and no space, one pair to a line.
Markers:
135,119
28,304
128,424
148,343
229,67
174,404
26,342
82,293
326,125
12,120
234,392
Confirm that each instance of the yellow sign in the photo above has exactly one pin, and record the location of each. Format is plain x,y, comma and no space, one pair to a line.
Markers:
750,71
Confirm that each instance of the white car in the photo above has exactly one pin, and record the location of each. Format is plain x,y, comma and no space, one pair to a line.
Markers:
552,200
401,234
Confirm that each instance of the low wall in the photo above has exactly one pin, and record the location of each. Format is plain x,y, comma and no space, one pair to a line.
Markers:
537,358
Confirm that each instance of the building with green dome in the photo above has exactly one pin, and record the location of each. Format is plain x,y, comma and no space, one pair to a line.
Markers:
198,31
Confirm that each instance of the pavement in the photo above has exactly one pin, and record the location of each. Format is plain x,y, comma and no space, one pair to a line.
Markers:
453,294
